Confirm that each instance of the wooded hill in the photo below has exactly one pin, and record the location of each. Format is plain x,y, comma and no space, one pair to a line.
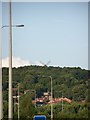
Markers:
72,82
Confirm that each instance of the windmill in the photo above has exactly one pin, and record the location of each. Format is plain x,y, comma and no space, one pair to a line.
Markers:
45,64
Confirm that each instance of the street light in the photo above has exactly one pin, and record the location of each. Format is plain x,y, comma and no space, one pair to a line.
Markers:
51,95
10,67
10,115
18,101
13,26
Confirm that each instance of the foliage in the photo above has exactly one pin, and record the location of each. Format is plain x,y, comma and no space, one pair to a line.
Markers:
26,107
72,82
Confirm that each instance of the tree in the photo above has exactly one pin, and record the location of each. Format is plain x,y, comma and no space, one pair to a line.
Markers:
27,110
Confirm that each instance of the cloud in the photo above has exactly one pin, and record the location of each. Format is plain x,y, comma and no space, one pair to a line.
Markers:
16,62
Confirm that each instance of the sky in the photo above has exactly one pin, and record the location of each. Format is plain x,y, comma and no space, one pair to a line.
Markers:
46,0
53,31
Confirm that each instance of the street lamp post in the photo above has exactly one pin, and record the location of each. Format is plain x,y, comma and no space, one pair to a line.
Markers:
10,114
10,61
51,99
51,96
10,67
18,102
1,97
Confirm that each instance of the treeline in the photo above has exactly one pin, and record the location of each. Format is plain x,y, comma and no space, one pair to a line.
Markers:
72,82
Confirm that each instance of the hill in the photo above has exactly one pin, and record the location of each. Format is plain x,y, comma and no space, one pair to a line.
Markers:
72,82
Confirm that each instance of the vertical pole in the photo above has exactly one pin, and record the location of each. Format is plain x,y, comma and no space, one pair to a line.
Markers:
1,98
10,64
51,99
62,102
18,101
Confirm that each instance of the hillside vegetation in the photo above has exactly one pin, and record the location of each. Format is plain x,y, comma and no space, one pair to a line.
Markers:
72,82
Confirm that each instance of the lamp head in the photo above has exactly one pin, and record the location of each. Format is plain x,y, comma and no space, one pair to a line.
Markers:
19,25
